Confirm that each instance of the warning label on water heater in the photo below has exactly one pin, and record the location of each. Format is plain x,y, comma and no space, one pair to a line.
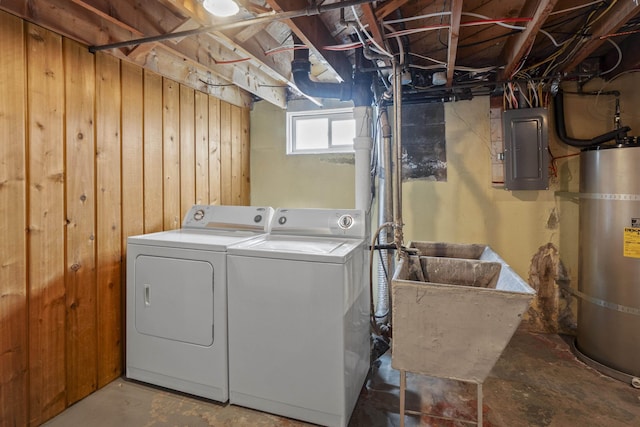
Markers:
632,242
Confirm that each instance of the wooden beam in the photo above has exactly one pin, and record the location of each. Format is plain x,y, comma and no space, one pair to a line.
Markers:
619,14
389,7
518,45
454,34
369,17
312,31
245,48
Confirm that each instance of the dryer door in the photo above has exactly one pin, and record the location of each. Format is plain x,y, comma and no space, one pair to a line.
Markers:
174,299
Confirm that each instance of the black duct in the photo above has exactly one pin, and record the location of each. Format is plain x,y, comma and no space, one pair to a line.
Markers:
359,91
561,130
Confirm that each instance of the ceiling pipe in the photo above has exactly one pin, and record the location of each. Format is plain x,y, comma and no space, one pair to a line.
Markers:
301,68
561,130
262,18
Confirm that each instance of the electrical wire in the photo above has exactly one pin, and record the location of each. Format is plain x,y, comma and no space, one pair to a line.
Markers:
364,30
581,6
615,45
415,18
400,46
502,22
285,49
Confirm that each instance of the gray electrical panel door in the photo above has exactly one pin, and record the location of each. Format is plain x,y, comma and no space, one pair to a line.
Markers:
526,159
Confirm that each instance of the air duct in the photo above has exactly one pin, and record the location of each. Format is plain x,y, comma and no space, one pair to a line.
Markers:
300,69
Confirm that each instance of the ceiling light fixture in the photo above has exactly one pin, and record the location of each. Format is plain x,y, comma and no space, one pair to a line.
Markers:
221,8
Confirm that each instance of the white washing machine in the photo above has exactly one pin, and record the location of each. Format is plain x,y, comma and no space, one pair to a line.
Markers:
299,316
177,299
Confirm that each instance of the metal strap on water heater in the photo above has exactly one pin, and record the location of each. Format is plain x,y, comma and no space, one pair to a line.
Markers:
610,196
600,302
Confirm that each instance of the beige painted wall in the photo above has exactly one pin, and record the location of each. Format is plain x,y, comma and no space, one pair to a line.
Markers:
279,180
466,208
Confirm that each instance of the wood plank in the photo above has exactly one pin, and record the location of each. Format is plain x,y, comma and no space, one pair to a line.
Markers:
518,45
45,77
226,141
81,342
108,226
214,152
187,150
132,153
132,164
245,189
14,397
91,29
153,177
202,148
236,155
171,154
170,63
454,34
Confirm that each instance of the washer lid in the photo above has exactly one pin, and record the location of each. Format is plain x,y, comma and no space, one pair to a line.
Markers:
210,240
300,248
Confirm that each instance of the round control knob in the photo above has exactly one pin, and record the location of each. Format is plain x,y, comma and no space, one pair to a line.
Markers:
282,220
345,221
198,215
257,219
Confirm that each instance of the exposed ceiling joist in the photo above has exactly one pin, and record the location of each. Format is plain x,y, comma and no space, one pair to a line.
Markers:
312,31
388,7
249,47
454,34
251,53
519,45
619,14
369,19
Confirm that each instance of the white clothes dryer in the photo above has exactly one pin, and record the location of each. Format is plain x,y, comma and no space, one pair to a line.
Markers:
299,316
176,325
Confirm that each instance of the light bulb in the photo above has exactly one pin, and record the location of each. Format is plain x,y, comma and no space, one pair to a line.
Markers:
221,8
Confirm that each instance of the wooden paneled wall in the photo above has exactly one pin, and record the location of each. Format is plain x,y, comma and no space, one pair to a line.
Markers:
92,150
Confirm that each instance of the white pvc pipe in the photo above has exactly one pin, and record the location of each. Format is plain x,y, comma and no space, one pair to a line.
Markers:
362,144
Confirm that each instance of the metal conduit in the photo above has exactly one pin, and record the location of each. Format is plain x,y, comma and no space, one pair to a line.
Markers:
385,215
397,155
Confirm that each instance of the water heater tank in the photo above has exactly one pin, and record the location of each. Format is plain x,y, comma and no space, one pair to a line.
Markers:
609,260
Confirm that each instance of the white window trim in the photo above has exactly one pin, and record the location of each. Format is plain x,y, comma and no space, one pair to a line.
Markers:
340,113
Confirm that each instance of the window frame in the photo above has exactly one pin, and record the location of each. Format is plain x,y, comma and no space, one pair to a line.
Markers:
332,114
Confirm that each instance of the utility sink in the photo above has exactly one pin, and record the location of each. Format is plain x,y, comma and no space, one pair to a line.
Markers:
455,308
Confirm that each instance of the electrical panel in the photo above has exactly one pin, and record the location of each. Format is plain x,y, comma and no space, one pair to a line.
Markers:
526,157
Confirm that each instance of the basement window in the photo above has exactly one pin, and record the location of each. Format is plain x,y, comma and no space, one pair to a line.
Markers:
321,131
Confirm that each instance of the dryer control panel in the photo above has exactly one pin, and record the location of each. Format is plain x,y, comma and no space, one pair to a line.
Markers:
247,218
319,222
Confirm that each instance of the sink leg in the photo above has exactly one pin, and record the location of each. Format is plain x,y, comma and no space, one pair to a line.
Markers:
403,386
480,405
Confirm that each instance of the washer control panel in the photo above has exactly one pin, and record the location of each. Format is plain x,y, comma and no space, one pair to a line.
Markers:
248,218
319,222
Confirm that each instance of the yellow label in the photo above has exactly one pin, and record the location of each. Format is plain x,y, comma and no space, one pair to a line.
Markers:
632,242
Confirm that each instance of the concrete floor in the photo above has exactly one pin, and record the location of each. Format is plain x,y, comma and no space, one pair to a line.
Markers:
536,382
